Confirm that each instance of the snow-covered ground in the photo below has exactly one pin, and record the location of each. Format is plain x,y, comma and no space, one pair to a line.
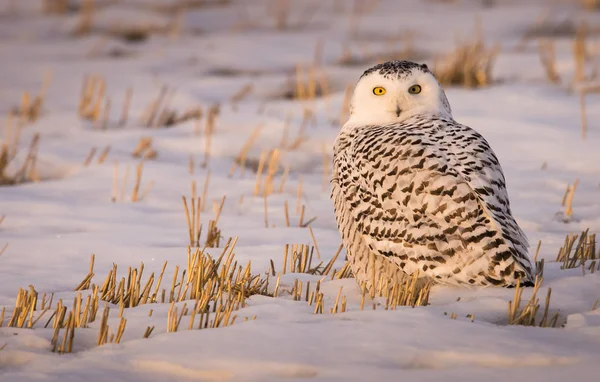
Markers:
207,54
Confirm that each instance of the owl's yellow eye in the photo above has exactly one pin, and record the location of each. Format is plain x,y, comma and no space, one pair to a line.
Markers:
415,89
379,91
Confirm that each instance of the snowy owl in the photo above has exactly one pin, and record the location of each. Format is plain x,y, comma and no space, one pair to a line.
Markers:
415,191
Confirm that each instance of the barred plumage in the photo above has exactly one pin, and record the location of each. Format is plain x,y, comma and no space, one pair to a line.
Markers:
417,191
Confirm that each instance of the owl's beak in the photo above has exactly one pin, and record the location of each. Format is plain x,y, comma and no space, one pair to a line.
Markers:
398,110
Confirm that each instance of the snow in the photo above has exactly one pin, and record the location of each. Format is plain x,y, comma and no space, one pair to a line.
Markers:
54,225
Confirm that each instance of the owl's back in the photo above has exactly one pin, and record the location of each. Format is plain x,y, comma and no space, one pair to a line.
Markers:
427,195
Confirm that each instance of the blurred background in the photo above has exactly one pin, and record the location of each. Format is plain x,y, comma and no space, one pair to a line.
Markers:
281,41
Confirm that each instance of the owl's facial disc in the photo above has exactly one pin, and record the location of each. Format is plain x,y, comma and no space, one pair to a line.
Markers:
395,91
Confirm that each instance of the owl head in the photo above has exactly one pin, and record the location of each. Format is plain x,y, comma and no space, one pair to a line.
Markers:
394,91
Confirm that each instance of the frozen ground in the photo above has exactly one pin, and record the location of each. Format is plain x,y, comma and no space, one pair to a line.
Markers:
52,226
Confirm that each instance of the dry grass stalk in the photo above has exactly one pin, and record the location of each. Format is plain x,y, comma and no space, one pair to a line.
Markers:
25,305
329,265
296,291
300,260
308,118
469,65
301,220
539,265
209,130
580,52
272,168
159,113
286,172
266,211
90,157
138,180
527,315
85,284
299,195
309,83
148,331
86,17
198,124
66,345
103,125
214,236
125,109
3,249
566,195
583,113
120,330
281,14
205,190
192,216
261,164
319,304
170,117
593,267
241,157
312,235
569,199
152,110
548,59
287,214
144,149
11,138
4,162
336,307
30,109
173,318
92,98
344,273
103,155
412,292
191,165
585,250
115,187
103,334
27,172
241,94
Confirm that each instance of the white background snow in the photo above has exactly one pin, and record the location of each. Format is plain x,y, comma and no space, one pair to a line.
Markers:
52,226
